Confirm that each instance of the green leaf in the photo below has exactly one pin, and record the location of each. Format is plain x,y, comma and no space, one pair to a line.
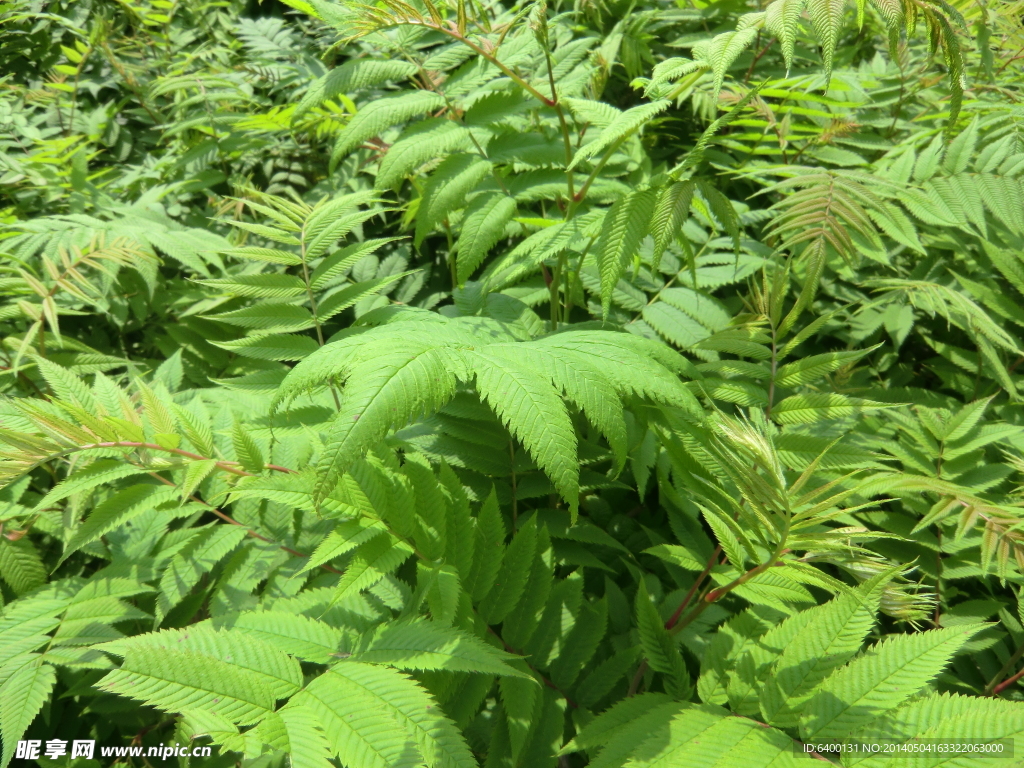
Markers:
176,681
814,367
827,18
377,717
658,646
446,190
625,226
419,144
443,591
582,379
881,679
247,451
343,298
512,578
832,637
269,232
353,75
298,635
483,226
519,699
121,507
261,661
20,565
703,736
265,255
22,695
423,645
959,152
945,716
677,555
523,621
371,563
333,221
273,346
719,53
620,128
532,410
341,261
268,317
308,745
380,114
489,548
270,286
782,19
199,556
580,643
383,393
670,214
807,409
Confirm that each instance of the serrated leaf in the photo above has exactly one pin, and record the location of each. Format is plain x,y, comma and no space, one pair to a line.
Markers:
268,317
380,114
421,645
446,190
377,717
22,695
419,144
835,634
117,510
353,75
814,367
806,409
20,565
483,226
176,681
625,226
886,675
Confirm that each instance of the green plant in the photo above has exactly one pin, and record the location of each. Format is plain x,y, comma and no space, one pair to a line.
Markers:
407,384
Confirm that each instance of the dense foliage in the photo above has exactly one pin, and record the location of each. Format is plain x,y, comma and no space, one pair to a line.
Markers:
425,384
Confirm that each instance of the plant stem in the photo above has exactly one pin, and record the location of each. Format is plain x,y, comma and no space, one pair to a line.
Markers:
312,306
712,562
227,466
228,519
556,280
670,624
581,195
710,597
1007,683
494,60
994,685
562,123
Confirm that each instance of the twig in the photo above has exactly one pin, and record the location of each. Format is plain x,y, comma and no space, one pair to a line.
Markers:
994,685
228,519
227,466
1007,683
634,684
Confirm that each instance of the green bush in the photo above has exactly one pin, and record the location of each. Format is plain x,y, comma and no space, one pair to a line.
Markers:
612,384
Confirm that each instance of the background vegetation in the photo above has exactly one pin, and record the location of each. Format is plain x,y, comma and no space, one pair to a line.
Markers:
473,384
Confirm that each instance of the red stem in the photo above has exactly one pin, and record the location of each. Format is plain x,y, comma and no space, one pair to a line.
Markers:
227,466
228,519
712,561
1007,683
